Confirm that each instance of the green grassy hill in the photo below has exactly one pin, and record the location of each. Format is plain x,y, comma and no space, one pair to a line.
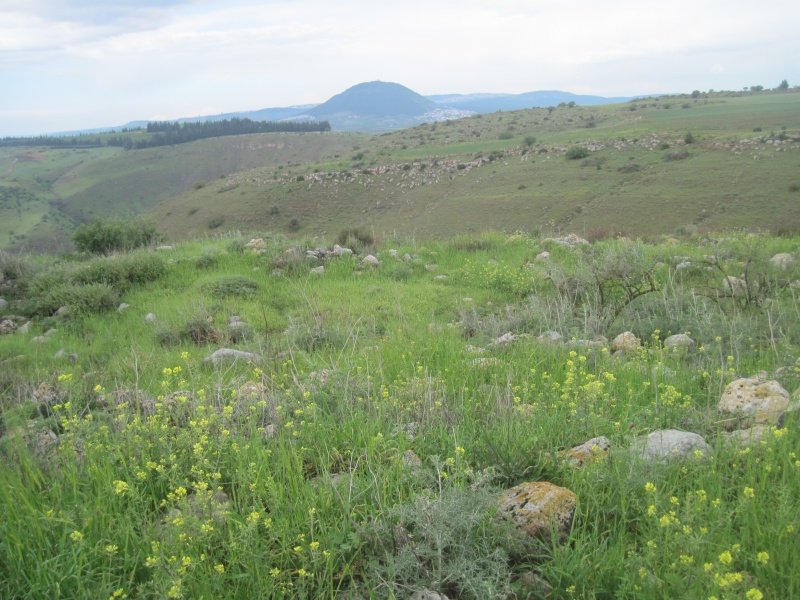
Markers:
500,171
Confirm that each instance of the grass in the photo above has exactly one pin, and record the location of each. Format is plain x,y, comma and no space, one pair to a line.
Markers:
141,470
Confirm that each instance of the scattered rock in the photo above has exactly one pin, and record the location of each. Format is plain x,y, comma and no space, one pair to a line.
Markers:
427,595
39,339
50,332
537,506
411,460
543,255
505,339
782,260
165,247
432,267
407,257
734,286
226,355
318,270
679,343
150,318
683,265
745,437
625,342
757,397
370,260
393,252
3,304
123,306
589,451
486,361
440,277
24,327
340,251
63,311
549,336
665,445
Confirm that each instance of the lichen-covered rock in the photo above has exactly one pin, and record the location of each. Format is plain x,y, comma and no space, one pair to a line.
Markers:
764,400
679,343
665,445
625,342
589,451
370,260
536,507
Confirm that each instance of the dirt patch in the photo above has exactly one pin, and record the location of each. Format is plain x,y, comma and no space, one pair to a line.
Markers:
29,157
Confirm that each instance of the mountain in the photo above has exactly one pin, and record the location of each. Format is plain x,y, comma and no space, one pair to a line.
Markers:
375,99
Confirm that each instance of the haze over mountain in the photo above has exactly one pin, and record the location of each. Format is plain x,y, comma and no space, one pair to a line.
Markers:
383,106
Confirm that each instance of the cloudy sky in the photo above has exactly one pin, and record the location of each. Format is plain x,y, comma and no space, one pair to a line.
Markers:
73,64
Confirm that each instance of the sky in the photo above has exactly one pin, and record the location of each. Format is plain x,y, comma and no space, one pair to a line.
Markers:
78,64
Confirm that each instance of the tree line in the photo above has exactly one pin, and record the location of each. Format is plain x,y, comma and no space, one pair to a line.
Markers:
166,133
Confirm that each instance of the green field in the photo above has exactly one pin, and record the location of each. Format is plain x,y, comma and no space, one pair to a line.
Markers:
360,451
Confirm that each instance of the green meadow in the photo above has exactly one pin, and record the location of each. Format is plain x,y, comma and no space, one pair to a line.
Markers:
359,449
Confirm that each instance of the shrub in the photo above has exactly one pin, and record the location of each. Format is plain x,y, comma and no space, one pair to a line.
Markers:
505,135
529,140
108,235
629,167
688,138
358,237
293,225
234,285
199,330
577,152
122,271
215,221
80,299
676,155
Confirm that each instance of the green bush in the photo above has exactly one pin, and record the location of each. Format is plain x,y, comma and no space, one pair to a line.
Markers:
577,152
102,236
234,285
121,271
358,237
80,299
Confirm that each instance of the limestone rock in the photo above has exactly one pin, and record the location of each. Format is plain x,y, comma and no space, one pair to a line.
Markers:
226,355
318,270
549,336
535,507
734,287
370,260
665,445
589,451
782,260
150,318
3,304
765,400
123,306
505,339
625,342
39,339
679,343
340,251
746,437
543,255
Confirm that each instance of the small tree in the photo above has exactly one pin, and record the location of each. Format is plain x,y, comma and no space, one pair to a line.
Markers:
784,85
102,236
577,152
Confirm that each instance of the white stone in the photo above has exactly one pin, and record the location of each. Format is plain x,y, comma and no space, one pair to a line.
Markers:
665,445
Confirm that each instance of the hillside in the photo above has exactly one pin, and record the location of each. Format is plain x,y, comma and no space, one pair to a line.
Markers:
500,171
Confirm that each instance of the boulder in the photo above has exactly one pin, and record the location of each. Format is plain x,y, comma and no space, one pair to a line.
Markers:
625,342
123,306
3,304
549,336
745,437
543,255
228,355
505,339
764,400
679,342
318,270
666,445
370,260
783,260
150,318
536,507
734,287
588,451
340,251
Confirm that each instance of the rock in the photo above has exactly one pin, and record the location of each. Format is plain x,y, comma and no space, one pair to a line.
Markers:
276,272
431,267
745,437
318,270
123,306
50,332
625,342
60,354
370,260
411,460
427,595
589,451
165,247
682,266
549,336
597,343
339,251
782,260
150,318
24,327
209,504
7,326
63,311
757,397
225,355
486,362
3,304
543,255
441,277
679,343
535,507
535,585
406,257
39,339
734,286
665,445
393,252
505,339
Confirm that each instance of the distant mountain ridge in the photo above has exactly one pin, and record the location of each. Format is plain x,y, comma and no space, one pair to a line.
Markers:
382,106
